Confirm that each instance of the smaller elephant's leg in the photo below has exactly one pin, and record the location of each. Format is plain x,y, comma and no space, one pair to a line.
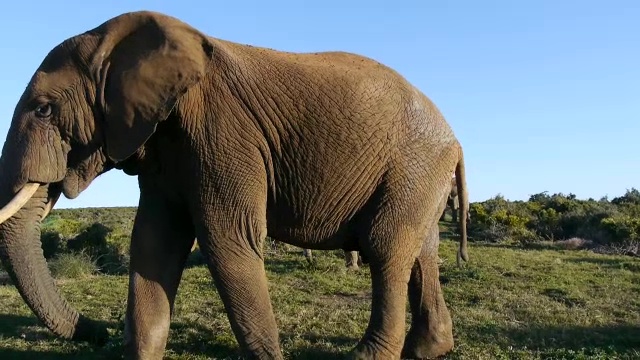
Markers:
431,333
384,335
454,214
442,216
352,260
308,255
161,242
391,257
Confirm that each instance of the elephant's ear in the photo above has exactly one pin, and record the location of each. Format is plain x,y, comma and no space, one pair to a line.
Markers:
144,63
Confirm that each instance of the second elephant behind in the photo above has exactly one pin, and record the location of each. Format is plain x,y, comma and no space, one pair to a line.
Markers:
353,260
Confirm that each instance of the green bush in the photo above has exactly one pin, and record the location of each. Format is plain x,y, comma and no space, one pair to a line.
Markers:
67,228
556,217
109,250
102,234
621,228
72,266
499,220
115,260
52,243
92,240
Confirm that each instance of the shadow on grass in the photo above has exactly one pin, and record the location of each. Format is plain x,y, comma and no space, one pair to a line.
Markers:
12,325
314,351
193,338
287,266
491,245
30,330
35,354
195,259
276,264
619,338
185,338
630,264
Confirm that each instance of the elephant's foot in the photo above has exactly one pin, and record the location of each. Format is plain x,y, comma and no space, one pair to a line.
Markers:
371,349
421,345
353,267
264,352
352,260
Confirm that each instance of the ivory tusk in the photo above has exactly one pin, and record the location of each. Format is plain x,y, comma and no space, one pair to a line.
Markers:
18,201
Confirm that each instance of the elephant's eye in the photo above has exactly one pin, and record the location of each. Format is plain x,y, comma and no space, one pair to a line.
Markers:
43,111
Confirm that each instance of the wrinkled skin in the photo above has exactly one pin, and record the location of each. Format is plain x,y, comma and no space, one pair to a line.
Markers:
353,260
229,143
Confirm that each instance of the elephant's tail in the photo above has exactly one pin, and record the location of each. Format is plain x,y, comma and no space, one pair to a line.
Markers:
463,208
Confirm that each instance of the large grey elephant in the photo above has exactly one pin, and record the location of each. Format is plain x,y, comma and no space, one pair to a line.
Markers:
230,142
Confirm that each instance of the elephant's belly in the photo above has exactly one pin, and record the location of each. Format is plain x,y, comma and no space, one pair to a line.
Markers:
313,234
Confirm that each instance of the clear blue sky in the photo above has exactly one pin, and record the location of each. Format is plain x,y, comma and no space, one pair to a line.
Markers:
543,95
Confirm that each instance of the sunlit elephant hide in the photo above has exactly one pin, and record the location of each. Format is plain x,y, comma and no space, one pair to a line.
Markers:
230,143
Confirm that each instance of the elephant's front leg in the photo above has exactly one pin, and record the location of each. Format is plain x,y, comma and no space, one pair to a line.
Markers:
232,243
161,241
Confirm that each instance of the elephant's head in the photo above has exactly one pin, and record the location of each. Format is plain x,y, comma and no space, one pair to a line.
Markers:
92,103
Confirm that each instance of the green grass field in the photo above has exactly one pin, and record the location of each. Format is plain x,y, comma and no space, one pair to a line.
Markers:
507,303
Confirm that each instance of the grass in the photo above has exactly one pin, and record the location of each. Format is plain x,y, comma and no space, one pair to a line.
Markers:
72,266
507,303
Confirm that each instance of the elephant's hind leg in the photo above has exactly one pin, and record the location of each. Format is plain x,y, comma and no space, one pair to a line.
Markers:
392,240
431,333
391,259
391,245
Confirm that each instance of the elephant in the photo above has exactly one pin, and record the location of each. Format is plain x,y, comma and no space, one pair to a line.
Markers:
229,142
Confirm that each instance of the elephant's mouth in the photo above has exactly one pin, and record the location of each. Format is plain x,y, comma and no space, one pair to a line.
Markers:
75,182
23,196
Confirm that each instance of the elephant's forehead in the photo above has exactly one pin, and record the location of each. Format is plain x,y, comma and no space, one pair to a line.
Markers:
59,57
44,82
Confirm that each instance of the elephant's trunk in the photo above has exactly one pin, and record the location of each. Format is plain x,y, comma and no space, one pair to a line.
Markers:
22,255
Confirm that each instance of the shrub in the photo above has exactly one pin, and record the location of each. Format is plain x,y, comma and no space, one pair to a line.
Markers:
501,221
72,266
67,228
92,240
52,244
621,228
115,259
558,216
574,243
